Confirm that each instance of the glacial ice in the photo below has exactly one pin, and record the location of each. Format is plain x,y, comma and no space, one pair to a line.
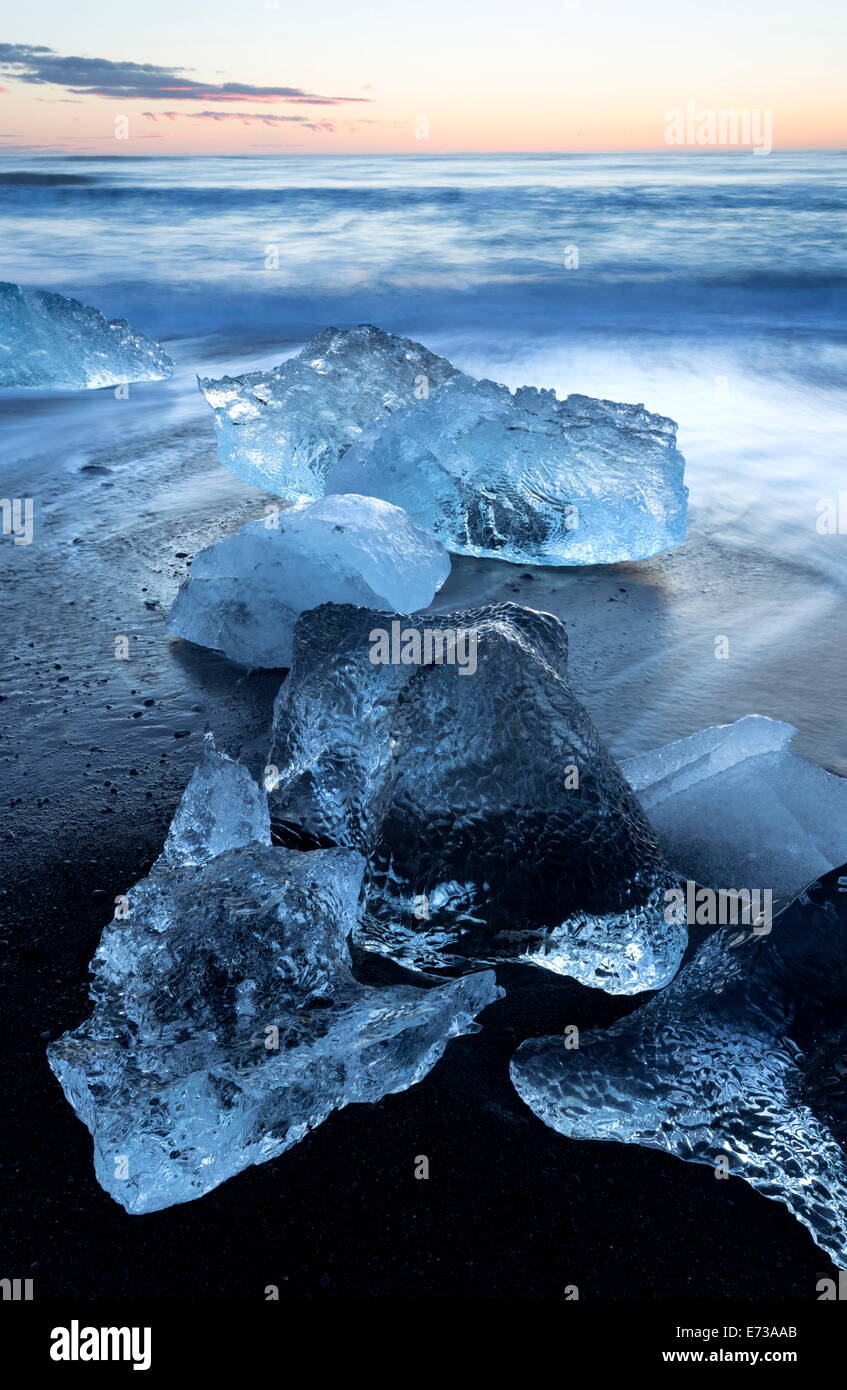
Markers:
246,592
227,1021
495,823
47,340
281,429
732,807
221,808
522,477
739,1061
526,477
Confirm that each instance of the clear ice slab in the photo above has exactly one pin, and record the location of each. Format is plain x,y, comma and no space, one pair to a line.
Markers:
522,477
738,1064
281,429
526,477
246,592
495,823
227,1021
734,808
49,341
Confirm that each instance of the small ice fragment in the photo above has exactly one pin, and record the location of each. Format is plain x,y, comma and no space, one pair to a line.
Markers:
281,429
246,592
732,807
526,477
453,753
48,341
221,808
738,1064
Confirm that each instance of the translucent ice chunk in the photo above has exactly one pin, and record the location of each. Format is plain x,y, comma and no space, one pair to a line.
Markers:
734,808
526,477
221,808
246,592
227,1021
47,340
521,477
281,429
495,823
738,1063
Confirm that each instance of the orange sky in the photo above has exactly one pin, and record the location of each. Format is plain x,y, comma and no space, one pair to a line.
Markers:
202,76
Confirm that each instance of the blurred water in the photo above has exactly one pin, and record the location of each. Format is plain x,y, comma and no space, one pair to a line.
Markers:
352,225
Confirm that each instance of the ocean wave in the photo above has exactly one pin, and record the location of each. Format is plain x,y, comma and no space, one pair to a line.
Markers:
30,178
797,199
258,309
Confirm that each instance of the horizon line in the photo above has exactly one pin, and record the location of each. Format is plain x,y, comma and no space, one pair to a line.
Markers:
672,152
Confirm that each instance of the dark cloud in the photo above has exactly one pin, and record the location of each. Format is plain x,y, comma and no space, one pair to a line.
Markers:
127,81
245,117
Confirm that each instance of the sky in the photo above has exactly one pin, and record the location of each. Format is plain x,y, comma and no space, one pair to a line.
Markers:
213,77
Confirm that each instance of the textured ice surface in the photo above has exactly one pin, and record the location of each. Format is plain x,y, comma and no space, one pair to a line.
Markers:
246,592
521,477
281,429
227,1021
47,340
495,823
526,477
221,808
734,808
740,1059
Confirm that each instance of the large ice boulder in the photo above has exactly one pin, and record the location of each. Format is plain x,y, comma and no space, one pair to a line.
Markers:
452,752
522,477
526,477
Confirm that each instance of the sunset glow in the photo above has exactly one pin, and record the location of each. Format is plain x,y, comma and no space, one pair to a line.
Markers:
213,78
